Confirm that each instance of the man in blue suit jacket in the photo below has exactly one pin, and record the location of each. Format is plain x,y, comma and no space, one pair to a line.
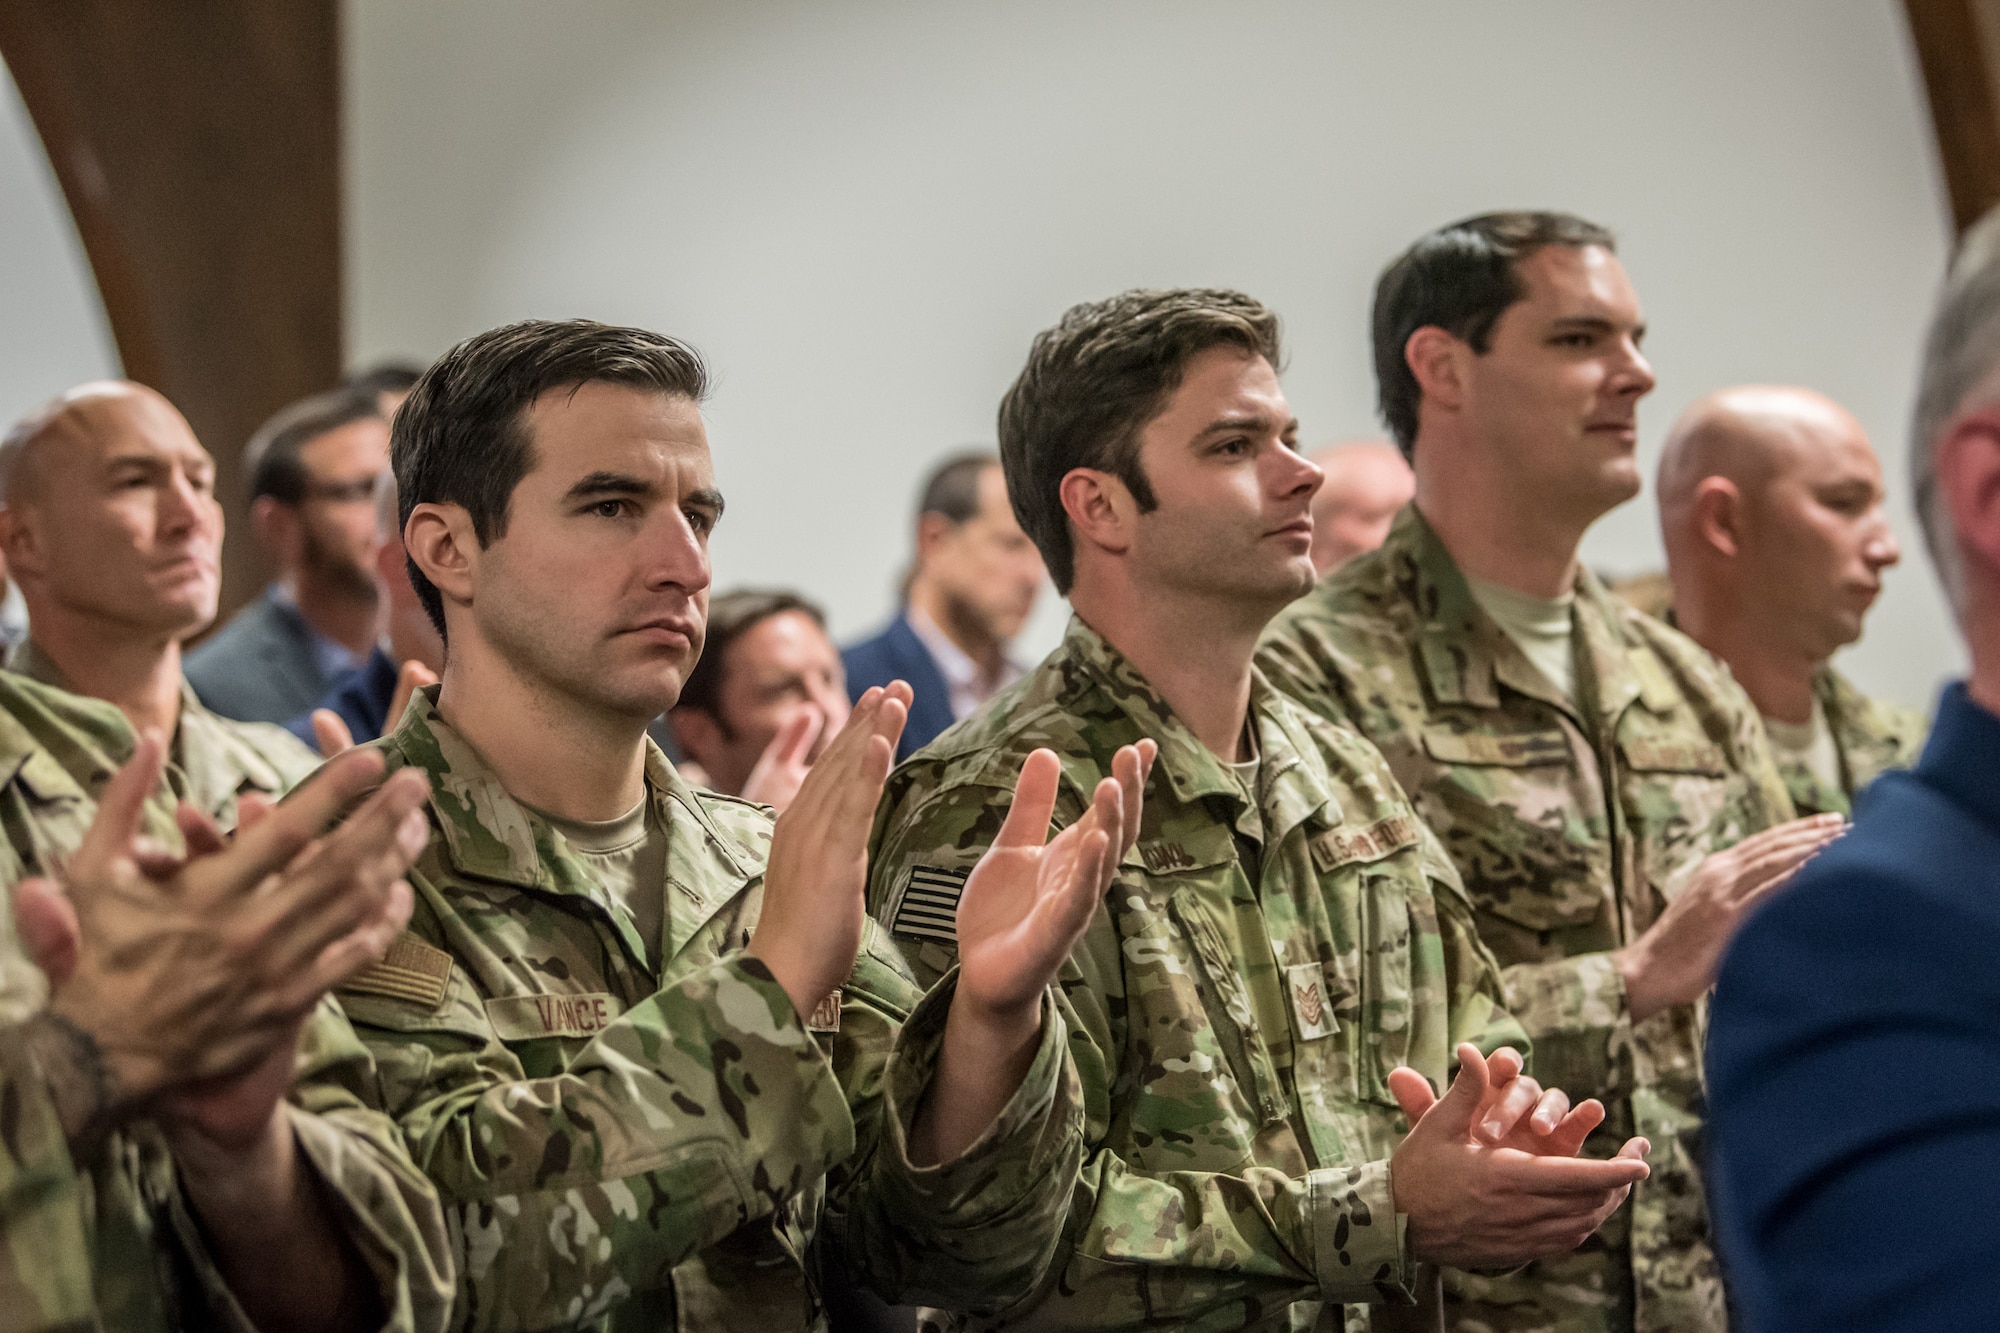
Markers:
1854,1050
971,589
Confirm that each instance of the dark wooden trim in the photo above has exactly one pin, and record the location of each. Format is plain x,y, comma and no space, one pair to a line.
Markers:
198,145
1953,52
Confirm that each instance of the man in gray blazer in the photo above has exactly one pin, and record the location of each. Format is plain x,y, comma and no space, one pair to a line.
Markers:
313,469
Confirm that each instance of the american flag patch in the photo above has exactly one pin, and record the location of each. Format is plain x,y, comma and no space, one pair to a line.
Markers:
929,907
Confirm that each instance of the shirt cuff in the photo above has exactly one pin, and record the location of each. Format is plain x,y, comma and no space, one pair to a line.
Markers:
1361,1249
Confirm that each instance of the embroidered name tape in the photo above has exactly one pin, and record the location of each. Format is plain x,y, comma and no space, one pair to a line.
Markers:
1163,856
1340,846
929,908
411,970
525,1017
1671,757
826,1018
1306,985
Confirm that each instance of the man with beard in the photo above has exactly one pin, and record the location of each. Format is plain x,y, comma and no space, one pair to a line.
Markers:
313,469
1771,506
110,526
968,595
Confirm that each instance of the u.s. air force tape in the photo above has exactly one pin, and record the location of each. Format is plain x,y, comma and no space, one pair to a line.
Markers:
929,905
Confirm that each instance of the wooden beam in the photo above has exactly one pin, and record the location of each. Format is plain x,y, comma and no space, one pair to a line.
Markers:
198,145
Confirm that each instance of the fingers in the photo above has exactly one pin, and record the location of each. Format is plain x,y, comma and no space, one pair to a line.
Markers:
795,738
1412,1092
251,807
346,882
341,960
331,733
1513,1101
1567,1177
1549,1112
1461,1102
119,808
1567,1138
1034,803
46,921
201,834
1131,766
311,808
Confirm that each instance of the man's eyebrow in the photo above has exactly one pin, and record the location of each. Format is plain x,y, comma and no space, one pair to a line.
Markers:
609,483
707,498
1242,421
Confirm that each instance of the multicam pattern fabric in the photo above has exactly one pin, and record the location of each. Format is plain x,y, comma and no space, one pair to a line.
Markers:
109,1243
212,760
620,1149
1261,962
1573,826
1871,736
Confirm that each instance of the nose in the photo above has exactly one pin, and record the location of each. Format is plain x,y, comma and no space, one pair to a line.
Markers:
1881,549
183,504
1635,374
1297,474
677,556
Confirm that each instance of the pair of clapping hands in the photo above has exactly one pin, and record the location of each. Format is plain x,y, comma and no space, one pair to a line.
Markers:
1488,1175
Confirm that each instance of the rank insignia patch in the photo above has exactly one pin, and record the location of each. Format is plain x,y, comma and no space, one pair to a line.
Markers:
1306,985
929,906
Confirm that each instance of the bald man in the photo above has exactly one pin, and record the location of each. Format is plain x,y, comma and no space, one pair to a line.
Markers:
1771,506
1367,483
109,525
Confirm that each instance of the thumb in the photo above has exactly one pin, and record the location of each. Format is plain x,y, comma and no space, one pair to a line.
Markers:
49,930
332,734
1460,1104
1412,1092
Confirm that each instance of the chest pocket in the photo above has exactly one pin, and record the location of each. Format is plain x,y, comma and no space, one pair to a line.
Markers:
1514,812
1366,876
1681,796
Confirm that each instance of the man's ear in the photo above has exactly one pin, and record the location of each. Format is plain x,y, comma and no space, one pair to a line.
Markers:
1968,468
1437,358
933,531
1717,515
440,541
278,527
1101,510
20,544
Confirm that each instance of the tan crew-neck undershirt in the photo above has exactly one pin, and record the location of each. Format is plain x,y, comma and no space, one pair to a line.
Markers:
1540,628
629,857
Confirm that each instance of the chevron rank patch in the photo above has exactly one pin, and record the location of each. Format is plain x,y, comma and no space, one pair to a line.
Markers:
411,970
929,906
826,1017
1306,985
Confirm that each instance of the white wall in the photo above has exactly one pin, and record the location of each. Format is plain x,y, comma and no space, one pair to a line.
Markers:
52,328
863,211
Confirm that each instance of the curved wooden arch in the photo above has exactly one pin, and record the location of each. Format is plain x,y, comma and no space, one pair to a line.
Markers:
198,145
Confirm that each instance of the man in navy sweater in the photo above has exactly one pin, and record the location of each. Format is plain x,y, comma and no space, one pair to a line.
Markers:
1853,1051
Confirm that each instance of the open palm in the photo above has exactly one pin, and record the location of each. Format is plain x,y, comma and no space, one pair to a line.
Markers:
1029,899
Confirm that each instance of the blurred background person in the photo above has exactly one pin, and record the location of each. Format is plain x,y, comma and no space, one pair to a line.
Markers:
1858,1014
389,381
1771,507
1367,482
109,522
368,700
765,697
970,590
313,470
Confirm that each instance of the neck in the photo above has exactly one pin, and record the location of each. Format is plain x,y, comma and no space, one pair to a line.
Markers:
139,674
549,750
336,612
1980,621
1778,679
1494,535
1194,653
964,630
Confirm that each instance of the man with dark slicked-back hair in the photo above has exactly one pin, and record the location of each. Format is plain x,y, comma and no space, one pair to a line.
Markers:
1601,784
969,591
638,1034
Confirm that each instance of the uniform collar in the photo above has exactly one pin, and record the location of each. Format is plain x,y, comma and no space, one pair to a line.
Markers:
1466,657
487,834
1291,779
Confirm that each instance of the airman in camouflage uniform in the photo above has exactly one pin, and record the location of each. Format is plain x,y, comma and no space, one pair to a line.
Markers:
110,1241
1871,737
1772,506
1263,960
627,1144
1573,825
212,760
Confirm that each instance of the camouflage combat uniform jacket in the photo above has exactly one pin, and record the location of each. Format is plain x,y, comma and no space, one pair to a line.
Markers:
110,1243
621,1147
212,760
1573,826
1261,962
1871,736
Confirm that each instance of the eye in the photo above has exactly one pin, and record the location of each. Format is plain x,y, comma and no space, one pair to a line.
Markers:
700,520
1235,448
611,508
